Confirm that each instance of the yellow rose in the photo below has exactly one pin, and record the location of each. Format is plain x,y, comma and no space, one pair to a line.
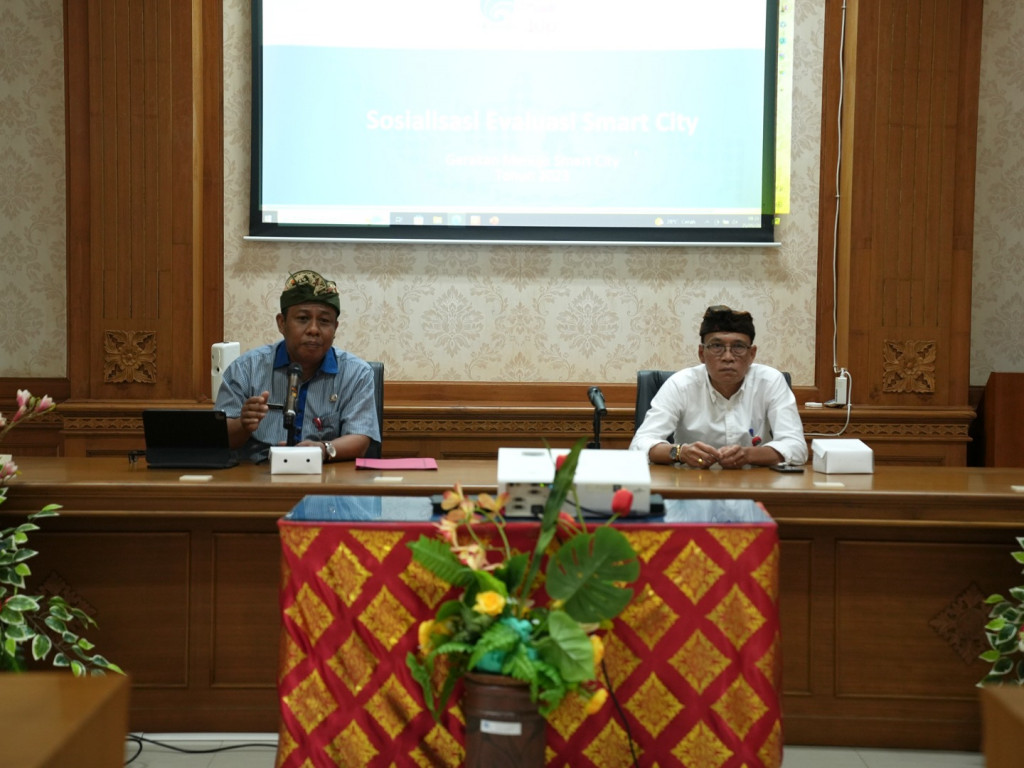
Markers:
598,647
597,701
489,603
426,628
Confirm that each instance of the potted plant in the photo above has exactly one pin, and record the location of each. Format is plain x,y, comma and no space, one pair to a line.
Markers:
533,616
40,625
1005,634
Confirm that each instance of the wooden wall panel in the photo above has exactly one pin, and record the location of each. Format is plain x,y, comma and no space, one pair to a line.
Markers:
908,139
929,596
241,582
907,185
145,188
142,613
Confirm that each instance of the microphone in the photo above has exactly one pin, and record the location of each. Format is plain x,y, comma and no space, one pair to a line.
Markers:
291,399
597,400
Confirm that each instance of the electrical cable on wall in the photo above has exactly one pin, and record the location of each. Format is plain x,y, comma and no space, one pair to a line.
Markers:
844,381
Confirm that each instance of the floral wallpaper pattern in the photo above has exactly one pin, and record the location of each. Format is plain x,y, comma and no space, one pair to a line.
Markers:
496,312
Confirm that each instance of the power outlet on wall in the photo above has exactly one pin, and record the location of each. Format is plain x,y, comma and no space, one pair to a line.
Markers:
840,390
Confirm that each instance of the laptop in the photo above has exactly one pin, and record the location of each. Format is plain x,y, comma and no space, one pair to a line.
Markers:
180,438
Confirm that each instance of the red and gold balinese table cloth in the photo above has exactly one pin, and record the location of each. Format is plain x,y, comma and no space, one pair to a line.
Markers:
693,661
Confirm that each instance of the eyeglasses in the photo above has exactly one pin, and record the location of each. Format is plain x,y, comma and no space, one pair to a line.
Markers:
717,349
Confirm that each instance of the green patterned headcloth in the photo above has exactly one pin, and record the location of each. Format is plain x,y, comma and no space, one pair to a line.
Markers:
307,285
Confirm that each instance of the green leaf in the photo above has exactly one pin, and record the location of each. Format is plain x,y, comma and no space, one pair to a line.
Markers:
586,571
552,507
22,603
996,624
990,656
78,668
1002,666
41,646
50,510
19,633
436,556
498,637
1017,593
61,660
24,554
567,648
58,611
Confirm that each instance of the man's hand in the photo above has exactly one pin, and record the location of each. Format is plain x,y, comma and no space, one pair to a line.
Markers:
733,457
253,411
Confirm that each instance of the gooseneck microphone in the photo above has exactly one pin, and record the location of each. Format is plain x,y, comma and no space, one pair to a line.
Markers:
291,401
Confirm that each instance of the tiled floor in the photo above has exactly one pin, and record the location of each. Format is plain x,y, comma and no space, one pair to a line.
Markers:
234,750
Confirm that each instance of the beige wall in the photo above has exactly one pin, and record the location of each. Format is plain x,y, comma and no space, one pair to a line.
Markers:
495,313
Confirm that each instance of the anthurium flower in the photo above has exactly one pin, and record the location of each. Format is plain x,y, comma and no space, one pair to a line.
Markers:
489,603
622,501
597,701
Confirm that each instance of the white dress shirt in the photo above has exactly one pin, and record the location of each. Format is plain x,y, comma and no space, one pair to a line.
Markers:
692,410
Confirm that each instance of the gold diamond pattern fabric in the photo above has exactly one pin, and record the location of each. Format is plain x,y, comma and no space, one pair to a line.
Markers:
700,661
694,572
692,662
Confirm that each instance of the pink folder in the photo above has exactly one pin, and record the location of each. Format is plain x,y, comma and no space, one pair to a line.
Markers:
396,464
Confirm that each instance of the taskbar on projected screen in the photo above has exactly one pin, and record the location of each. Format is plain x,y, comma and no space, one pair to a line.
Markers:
516,219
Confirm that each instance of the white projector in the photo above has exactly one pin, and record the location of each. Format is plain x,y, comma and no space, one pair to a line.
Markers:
526,475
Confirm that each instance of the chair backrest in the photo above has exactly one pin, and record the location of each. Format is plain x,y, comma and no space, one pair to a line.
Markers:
374,451
648,383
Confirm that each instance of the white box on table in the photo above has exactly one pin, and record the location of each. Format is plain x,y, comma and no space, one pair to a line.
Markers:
296,460
842,456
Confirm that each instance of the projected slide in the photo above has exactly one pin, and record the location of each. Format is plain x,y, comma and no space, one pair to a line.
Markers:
594,114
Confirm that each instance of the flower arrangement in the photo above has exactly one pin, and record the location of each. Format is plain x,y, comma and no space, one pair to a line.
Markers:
21,624
1005,634
531,615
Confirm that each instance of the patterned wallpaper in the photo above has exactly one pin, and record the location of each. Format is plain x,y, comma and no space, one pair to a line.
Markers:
33,322
998,300
490,312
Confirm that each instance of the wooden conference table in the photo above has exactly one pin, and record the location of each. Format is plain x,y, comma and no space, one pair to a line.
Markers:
882,583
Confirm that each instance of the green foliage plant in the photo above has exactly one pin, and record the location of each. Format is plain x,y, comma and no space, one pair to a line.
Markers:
1005,634
530,615
29,622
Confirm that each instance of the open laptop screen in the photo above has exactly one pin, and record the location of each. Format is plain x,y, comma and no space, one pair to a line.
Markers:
186,438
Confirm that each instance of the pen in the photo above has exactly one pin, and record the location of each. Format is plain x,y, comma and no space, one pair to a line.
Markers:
754,439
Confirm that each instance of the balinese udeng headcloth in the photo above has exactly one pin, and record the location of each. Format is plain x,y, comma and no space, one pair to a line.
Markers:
306,286
721,319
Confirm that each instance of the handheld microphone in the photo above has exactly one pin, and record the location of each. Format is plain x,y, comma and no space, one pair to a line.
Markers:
291,400
597,400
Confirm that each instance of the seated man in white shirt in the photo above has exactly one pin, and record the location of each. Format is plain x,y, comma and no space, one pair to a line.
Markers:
728,410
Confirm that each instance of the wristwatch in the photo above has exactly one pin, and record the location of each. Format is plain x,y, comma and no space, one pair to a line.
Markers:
674,451
332,452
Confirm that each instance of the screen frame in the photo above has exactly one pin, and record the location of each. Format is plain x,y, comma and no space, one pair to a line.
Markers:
762,235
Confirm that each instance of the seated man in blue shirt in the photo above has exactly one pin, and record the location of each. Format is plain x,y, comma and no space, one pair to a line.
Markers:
335,405
729,410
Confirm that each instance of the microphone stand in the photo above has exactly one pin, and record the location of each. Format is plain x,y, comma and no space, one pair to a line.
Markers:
596,442
289,426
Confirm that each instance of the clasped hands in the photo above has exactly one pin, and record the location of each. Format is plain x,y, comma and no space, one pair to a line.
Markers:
702,456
